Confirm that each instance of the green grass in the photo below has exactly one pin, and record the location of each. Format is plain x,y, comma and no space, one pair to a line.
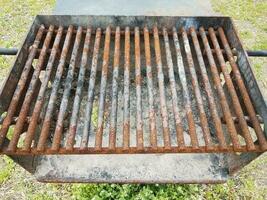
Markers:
251,20
135,191
248,12
7,167
15,19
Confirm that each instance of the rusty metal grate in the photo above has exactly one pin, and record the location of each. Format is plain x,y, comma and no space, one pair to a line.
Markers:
130,90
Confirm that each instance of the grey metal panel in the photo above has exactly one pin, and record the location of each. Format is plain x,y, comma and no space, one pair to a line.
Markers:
138,168
109,20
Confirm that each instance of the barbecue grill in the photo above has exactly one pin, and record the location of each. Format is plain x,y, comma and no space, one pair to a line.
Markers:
132,99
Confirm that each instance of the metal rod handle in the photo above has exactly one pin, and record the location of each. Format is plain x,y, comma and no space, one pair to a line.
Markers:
262,53
8,51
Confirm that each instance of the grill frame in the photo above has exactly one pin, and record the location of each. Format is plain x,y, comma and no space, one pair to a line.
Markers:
140,21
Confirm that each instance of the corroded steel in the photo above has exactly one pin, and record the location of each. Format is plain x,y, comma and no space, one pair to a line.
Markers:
40,99
202,114
138,82
20,86
51,104
103,85
163,106
150,89
172,99
113,114
66,94
126,90
29,94
243,90
178,123
231,89
220,91
90,97
186,97
206,81
77,99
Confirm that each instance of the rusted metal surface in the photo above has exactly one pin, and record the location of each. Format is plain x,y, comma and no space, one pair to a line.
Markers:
21,84
178,124
66,94
29,94
51,104
138,82
126,90
186,97
163,106
89,106
208,90
150,88
244,93
219,90
40,98
231,89
113,120
77,100
202,114
101,108
142,89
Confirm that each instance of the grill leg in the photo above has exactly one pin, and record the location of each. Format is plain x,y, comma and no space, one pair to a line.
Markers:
27,162
237,162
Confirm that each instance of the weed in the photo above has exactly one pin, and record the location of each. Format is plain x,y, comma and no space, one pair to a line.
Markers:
7,167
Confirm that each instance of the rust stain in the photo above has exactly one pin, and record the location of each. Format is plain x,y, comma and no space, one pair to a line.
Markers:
223,100
90,97
113,120
126,89
187,101
50,108
232,92
21,84
213,109
77,99
164,112
100,119
243,90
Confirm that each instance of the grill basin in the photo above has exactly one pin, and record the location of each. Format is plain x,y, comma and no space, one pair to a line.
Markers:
126,85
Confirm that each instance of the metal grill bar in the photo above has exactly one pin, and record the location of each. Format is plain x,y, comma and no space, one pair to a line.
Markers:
21,84
139,117
179,128
164,109
186,98
50,108
29,95
100,119
77,99
126,89
203,118
223,100
213,109
28,98
150,88
244,93
90,97
40,98
66,94
113,124
230,86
